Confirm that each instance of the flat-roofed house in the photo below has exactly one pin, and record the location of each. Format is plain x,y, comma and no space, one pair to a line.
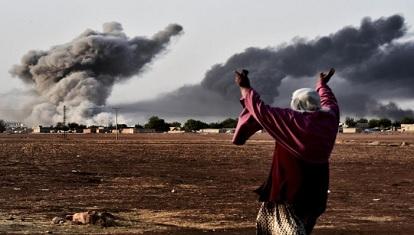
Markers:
129,130
89,130
212,130
351,130
407,128
41,129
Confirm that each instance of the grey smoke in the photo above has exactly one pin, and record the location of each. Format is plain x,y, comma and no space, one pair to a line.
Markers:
80,74
374,66
391,110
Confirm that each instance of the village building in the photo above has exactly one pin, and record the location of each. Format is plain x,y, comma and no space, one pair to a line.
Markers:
102,130
41,129
212,130
129,130
16,127
174,129
350,130
89,130
407,128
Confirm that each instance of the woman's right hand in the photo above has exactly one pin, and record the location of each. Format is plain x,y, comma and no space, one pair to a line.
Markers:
324,78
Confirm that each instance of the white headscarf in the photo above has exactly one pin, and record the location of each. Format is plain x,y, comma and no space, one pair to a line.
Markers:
305,99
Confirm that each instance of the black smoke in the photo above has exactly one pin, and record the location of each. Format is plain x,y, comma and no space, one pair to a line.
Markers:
371,62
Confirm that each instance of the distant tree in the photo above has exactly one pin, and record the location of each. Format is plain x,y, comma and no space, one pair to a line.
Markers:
362,120
229,123
157,123
138,126
81,126
215,125
350,122
372,123
61,127
194,125
384,123
2,126
407,120
174,124
120,126
396,124
73,125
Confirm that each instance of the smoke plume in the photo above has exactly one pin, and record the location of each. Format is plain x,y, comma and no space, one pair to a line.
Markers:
372,66
80,74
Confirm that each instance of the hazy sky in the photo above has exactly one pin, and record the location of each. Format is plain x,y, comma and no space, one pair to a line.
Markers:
213,31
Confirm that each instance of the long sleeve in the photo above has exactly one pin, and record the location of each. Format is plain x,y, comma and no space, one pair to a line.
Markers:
278,122
246,126
306,135
328,100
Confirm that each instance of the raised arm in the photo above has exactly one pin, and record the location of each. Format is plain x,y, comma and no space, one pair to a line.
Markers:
276,121
252,102
328,100
307,135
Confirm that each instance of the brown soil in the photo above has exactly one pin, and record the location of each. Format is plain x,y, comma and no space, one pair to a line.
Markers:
192,183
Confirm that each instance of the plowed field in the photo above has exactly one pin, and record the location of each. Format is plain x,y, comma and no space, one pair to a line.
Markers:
193,183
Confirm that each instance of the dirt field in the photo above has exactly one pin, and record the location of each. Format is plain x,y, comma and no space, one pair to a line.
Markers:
193,184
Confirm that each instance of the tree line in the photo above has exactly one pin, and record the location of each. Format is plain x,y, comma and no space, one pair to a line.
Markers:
154,122
382,123
191,125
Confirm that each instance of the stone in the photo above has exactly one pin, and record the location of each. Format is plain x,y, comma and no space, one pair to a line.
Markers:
58,220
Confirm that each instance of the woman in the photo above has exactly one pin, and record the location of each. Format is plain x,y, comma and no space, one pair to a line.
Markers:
295,193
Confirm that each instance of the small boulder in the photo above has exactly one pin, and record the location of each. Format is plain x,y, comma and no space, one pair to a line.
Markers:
105,219
58,220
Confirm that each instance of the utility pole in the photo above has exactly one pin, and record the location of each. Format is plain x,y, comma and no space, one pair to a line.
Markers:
116,121
64,114
64,121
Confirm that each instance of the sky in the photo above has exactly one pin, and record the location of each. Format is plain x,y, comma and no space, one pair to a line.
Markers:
213,31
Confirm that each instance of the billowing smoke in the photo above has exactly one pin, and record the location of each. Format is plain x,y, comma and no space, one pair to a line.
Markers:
372,65
80,74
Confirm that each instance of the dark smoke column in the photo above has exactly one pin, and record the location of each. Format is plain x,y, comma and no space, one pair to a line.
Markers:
373,63
81,73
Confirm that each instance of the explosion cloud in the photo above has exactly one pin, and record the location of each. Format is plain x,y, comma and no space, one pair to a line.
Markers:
371,64
80,74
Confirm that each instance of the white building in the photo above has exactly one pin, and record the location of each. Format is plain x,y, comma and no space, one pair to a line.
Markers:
212,130
129,130
89,130
407,128
351,130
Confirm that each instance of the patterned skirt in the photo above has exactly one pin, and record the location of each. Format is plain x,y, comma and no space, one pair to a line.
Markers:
278,219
